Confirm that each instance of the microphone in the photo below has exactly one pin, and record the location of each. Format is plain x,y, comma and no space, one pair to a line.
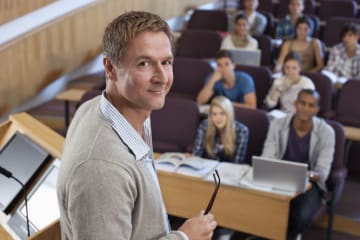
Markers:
8,174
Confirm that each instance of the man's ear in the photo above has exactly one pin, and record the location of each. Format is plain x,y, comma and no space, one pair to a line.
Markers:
109,69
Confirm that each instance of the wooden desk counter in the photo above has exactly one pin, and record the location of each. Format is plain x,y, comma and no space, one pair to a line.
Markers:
261,213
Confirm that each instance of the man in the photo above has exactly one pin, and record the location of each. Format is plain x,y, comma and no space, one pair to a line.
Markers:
107,185
344,59
225,81
286,26
303,137
257,21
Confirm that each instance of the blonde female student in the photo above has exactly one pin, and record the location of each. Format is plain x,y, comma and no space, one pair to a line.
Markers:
220,136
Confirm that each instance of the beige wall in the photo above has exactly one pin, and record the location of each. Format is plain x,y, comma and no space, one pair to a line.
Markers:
32,61
11,9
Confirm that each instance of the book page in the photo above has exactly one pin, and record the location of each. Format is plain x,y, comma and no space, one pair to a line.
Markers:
169,162
197,167
230,173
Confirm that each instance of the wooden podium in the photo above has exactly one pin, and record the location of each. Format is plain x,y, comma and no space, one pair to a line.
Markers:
48,140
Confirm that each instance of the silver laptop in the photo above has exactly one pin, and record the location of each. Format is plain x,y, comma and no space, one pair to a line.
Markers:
246,57
280,174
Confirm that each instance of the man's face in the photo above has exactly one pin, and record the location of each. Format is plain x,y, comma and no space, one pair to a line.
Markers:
350,40
306,107
302,31
145,74
225,66
242,27
296,7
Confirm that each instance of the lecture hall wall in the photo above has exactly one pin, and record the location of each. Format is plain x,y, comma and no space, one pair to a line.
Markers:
33,60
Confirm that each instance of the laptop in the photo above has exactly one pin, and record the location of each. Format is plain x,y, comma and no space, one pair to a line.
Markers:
280,175
246,57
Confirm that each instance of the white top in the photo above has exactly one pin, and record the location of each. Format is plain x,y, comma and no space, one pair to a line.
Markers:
228,44
287,94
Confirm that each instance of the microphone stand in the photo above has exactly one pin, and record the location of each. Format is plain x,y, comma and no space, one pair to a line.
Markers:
8,174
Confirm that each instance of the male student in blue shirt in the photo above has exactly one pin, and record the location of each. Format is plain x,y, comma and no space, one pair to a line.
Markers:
303,137
225,81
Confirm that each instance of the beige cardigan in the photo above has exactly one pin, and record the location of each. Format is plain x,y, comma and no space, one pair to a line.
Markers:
103,192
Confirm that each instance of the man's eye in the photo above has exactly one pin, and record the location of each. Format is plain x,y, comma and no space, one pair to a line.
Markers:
167,62
144,64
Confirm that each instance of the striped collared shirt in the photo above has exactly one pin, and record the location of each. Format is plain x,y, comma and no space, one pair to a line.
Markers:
140,147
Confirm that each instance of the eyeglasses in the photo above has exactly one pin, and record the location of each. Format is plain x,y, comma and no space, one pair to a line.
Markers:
217,186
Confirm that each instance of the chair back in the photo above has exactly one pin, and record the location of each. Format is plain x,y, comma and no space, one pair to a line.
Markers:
270,23
212,20
331,35
198,44
174,126
258,124
348,110
189,77
337,8
262,81
325,88
266,47
338,172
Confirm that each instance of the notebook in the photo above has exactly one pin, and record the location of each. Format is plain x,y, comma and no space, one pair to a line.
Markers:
280,175
246,57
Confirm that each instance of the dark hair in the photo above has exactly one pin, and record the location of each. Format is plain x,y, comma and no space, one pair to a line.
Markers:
292,56
302,20
241,16
311,92
123,29
349,27
224,54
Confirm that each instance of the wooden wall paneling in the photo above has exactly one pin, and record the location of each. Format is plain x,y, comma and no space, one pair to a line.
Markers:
12,9
32,61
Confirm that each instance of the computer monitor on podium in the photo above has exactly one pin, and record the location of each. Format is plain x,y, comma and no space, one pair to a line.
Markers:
23,158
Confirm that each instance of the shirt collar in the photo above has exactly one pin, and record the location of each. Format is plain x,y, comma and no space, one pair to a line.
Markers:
139,146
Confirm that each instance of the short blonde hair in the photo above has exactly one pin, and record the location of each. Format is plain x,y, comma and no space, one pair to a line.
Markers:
119,33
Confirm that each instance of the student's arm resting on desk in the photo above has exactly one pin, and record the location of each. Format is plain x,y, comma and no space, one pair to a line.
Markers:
249,101
208,90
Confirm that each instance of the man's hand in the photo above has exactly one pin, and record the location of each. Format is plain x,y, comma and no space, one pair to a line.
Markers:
200,227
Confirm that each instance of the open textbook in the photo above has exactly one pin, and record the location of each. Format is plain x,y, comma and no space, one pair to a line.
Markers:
180,163
230,173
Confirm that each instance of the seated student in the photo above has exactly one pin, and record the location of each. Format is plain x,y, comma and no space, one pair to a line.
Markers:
286,88
225,81
220,136
344,59
286,26
257,21
240,37
303,137
310,49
